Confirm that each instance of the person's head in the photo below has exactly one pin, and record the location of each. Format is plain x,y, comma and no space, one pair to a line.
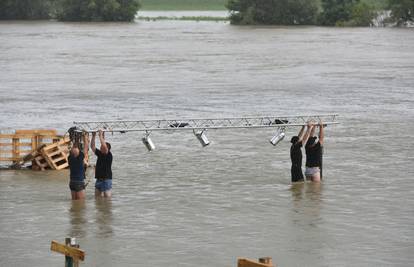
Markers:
108,145
294,139
75,150
312,141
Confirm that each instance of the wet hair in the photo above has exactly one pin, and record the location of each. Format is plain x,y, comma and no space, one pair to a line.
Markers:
108,145
311,140
294,139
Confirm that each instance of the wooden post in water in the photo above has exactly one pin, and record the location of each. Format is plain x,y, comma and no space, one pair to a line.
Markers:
71,251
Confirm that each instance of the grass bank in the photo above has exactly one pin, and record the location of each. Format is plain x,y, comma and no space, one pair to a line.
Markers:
213,4
174,5
193,18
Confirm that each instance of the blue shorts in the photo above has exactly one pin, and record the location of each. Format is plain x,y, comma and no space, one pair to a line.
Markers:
103,185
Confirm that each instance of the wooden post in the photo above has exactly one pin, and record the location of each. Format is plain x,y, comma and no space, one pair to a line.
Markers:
15,150
68,259
71,251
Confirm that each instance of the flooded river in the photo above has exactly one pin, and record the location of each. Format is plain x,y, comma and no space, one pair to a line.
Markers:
183,205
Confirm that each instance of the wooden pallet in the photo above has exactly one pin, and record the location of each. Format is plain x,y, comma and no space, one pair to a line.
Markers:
14,147
56,154
39,163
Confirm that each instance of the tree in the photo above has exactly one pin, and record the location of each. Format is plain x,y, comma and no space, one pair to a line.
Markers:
25,9
98,10
361,15
346,13
280,12
402,11
336,11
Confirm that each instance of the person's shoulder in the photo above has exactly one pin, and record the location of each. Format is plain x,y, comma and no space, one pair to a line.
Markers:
297,144
97,152
319,144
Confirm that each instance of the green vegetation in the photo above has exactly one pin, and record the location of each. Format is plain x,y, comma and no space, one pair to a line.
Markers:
25,9
346,13
98,10
193,18
302,12
281,12
402,11
183,4
376,4
70,10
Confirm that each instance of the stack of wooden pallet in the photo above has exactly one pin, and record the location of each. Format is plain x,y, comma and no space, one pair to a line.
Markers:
53,156
47,149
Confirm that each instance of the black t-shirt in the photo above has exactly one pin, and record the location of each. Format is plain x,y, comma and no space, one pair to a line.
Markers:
313,155
77,172
103,165
296,154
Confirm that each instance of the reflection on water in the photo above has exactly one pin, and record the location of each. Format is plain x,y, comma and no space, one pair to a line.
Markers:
103,217
307,191
77,218
307,198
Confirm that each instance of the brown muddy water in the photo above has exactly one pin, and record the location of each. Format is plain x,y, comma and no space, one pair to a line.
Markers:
183,205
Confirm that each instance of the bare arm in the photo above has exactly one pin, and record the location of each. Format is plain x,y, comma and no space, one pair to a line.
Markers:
85,143
93,147
104,148
308,132
312,133
300,134
321,133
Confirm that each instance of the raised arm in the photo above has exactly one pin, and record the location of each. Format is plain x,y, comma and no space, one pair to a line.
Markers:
300,134
308,132
85,143
93,147
104,148
321,133
312,133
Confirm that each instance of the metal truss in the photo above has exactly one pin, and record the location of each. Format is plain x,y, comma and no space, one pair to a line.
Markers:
204,124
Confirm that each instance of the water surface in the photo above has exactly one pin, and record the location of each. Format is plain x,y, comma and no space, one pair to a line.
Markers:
183,205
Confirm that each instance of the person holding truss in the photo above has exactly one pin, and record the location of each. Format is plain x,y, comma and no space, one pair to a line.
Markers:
103,169
296,152
314,151
77,163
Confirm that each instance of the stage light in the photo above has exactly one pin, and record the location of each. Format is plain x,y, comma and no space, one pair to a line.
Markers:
202,138
278,137
148,142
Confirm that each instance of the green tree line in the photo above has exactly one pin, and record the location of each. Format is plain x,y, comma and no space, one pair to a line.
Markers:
283,12
316,12
70,10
